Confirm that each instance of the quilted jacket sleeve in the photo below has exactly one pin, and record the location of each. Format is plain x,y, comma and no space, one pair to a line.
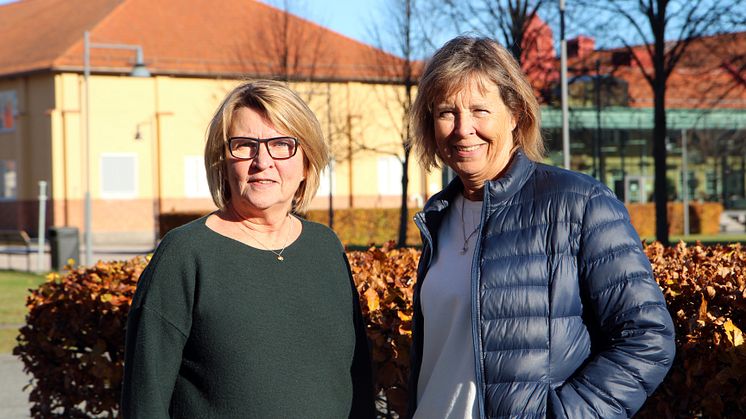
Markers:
635,332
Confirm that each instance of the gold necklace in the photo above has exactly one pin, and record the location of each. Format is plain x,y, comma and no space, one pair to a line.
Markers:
284,245
465,248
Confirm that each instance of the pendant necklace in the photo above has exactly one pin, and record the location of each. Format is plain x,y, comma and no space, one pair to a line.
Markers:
465,248
284,245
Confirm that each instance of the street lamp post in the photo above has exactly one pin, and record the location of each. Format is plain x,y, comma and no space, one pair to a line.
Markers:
599,168
139,70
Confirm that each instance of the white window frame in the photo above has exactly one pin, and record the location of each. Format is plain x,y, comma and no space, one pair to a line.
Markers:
389,176
4,175
192,186
324,180
135,178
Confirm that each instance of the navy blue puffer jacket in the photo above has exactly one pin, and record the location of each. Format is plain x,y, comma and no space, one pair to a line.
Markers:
567,319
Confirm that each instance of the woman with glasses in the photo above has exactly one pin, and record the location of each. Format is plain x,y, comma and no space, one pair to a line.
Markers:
251,311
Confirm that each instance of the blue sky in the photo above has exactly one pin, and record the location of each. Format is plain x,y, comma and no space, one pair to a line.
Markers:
349,17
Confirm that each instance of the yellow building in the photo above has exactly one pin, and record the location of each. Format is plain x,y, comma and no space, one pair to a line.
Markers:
146,134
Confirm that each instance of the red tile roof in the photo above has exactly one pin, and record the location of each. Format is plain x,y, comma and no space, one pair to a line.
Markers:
228,38
711,74
35,33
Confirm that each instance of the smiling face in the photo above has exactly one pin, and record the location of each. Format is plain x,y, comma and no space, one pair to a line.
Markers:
473,133
261,185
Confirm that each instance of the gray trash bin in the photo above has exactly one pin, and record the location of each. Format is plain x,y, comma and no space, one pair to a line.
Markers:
64,244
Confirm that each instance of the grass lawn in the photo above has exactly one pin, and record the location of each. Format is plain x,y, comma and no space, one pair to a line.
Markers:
14,287
8,339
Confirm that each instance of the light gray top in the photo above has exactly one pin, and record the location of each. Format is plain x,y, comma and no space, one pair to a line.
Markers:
447,381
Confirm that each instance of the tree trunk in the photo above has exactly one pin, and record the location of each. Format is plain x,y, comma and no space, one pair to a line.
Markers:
659,137
409,82
403,211
659,157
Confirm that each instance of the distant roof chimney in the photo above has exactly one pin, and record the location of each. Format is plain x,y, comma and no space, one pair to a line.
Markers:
580,47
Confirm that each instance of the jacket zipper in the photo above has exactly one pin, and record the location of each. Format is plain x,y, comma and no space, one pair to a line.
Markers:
419,221
476,310
476,331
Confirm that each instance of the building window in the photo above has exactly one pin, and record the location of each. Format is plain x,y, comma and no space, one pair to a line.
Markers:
8,186
195,177
324,180
711,185
118,176
8,110
389,176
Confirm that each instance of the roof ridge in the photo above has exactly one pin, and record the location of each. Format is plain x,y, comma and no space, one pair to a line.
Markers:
248,45
702,38
99,22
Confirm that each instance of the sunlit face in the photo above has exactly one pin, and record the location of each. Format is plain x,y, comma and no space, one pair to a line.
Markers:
473,132
262,183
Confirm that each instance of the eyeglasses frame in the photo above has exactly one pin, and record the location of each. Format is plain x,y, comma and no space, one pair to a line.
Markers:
266,145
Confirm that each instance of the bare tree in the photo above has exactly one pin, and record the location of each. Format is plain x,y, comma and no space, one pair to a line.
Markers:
517,25
284,46
400,34
409,32
664,31
508,21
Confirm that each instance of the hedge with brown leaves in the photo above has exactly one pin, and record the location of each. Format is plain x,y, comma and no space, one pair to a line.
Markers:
704,217
385,279
73,341
705,288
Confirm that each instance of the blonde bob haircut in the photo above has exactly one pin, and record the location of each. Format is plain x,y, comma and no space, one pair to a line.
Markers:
289,114
458,62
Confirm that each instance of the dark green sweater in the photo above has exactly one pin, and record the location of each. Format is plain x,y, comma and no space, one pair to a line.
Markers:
218,329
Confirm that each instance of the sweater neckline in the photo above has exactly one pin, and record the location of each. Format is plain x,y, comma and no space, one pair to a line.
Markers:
293,244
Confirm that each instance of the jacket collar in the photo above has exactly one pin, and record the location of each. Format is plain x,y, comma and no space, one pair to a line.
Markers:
503,188
496,191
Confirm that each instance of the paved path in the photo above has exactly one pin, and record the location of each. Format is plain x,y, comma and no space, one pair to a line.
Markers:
14,402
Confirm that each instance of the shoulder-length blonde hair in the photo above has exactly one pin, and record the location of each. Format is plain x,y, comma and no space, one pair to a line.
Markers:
289,114
454,65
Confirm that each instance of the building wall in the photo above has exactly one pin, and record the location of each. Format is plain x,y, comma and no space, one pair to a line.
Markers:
146,146
119,105
365,129
26,147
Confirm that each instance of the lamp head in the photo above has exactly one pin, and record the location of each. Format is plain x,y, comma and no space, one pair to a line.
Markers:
139,70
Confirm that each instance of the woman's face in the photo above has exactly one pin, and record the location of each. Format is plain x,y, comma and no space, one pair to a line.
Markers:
473,132
262,183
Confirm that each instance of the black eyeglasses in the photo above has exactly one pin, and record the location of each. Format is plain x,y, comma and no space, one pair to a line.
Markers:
279,148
